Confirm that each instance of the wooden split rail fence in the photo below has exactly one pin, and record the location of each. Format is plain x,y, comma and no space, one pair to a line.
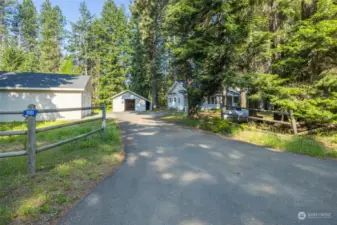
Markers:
31,132
292,121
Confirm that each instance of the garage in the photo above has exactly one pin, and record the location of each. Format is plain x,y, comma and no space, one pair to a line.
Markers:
130,101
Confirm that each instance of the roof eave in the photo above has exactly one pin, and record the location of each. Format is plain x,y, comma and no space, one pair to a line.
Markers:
173,86
132,93
40,89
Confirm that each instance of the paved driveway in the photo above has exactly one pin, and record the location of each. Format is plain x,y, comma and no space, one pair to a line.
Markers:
177,176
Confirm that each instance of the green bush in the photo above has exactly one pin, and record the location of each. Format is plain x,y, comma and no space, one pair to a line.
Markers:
218,125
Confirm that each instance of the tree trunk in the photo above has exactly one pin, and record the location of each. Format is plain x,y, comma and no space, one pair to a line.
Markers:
274,26
243,98
2,25
224,103
308,9
86,60
154,94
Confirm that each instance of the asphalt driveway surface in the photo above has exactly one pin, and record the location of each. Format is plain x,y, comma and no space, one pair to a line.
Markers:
178,176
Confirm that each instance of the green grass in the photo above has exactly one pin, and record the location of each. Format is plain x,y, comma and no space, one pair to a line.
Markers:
181,118
64,174
319,145
214,124
290,143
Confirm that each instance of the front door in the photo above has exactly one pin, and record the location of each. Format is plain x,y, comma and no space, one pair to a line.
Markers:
130,104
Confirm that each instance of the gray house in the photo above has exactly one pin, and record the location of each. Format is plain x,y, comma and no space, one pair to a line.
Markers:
46,91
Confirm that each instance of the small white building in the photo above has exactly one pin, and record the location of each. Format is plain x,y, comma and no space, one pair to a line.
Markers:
45,91
130,101
177,97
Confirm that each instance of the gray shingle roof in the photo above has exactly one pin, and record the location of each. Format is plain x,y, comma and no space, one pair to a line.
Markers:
11,80
123,92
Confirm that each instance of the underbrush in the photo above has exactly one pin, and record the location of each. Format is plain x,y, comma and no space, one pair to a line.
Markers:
318,145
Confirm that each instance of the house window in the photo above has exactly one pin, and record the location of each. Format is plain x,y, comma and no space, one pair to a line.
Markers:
229,100
214,100
236,100
170,100
219,99
178,100
175,99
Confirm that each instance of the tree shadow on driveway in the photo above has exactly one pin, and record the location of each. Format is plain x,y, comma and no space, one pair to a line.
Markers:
173,175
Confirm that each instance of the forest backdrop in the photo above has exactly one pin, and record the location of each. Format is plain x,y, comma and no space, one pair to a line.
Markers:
283,52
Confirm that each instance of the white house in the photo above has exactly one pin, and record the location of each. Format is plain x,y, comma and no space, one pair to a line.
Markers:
46,91
177,97
130,101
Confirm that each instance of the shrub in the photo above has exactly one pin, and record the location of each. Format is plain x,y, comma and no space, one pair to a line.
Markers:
218,125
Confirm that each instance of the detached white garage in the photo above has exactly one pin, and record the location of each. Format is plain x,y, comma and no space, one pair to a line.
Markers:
130,101
45,91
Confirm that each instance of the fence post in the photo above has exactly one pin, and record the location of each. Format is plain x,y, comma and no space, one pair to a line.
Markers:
31,142
293,121
104,120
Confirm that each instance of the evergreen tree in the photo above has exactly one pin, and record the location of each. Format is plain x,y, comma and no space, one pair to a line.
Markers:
139,79
79,41
28,24
52,34
112,49
68,67
151,13
12,58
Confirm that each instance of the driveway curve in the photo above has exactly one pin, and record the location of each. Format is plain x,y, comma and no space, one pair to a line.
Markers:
178,176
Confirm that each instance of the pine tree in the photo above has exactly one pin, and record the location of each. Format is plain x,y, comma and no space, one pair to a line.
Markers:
112,49
12,58
79,41
139,80
68,67
28,24
150,17
52,33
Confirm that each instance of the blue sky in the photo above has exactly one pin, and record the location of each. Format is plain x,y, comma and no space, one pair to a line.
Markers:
70,8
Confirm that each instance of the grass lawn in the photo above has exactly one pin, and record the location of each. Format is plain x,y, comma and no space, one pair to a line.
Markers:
318,145
64,174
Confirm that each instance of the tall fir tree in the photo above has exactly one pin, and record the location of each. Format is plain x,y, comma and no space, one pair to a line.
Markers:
151,13
29,24
139,79
112,47
80,42
52,34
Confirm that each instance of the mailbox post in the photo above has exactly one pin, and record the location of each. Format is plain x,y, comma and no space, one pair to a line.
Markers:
30,114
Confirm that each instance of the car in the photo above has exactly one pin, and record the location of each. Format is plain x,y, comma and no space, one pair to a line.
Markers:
237,115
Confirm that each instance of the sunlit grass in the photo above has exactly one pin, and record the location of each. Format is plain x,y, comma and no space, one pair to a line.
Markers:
64,174
319,145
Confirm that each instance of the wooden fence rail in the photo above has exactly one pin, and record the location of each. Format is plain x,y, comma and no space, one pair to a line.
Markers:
290,113
11,133
31,132
47,147
51,110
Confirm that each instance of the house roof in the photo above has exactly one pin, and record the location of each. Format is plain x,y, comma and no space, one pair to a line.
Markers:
230,91
42,81
184,84
123,92
174,85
